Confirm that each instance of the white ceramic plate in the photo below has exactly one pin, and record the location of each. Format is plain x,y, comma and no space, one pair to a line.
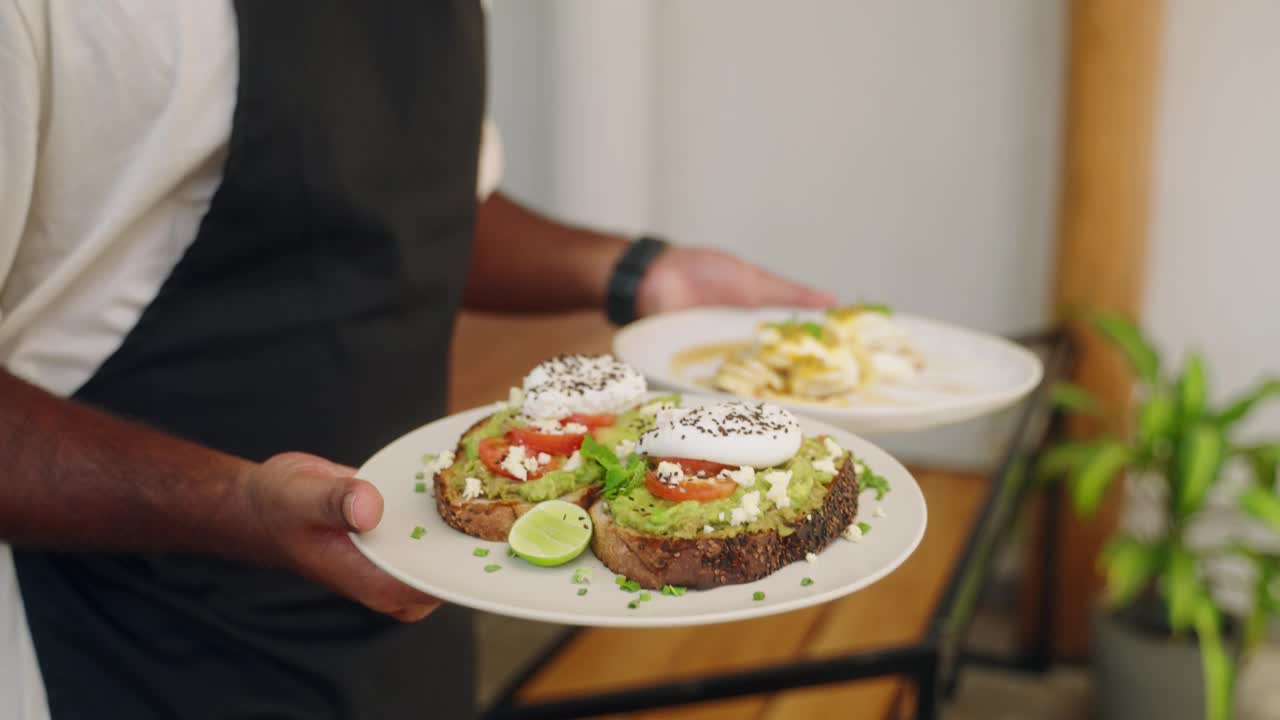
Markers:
441,561
967,373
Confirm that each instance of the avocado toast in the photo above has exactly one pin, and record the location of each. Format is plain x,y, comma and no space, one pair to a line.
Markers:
506,463
773,516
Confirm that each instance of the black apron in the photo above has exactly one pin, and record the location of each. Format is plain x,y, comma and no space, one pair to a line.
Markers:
313,312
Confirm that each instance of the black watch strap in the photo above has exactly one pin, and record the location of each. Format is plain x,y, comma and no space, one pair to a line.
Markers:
620,301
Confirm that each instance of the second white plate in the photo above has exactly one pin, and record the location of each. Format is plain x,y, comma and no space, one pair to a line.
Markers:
967,374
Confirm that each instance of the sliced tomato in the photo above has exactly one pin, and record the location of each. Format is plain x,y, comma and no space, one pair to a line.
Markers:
696,468
700,490
545,442
494,449
591,421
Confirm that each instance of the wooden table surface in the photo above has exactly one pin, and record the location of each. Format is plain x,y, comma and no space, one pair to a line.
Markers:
493,353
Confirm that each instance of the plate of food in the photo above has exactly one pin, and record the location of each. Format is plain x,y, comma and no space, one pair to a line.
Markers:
587,499
863,368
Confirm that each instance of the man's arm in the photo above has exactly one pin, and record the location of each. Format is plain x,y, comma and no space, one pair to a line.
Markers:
523,261
75,478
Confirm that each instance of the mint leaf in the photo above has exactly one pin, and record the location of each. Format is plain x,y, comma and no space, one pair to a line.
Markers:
618,478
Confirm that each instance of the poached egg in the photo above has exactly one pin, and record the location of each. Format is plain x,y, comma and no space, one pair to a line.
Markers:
589,384
741,434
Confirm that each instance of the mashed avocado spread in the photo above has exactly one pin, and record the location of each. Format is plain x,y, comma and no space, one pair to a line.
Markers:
628,426
641,510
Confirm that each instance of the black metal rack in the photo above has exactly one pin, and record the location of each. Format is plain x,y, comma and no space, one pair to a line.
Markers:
934,663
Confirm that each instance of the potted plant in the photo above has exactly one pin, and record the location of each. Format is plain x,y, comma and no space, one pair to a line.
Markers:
1158,607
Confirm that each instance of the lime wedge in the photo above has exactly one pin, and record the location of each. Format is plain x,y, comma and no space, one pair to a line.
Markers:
552,533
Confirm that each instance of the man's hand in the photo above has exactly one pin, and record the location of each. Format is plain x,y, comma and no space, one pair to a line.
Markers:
683,277
303,507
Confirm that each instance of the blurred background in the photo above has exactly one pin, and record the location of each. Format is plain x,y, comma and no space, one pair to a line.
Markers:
982,162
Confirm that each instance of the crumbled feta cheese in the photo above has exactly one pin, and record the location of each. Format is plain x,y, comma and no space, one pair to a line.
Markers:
811,558
749,511
744,476
708,529
515,397
546,427
670,473
778,481
472,489
574,428
879,511
624,448
832,447
543,458
531,464
826,465
514,463
721,517
853,532
440,462
574,462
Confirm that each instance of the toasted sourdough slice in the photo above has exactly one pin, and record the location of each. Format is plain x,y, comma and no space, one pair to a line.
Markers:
486,518
711,561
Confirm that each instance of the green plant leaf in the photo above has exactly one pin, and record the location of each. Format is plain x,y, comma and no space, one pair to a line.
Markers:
1129,565
1200,456
1181,588
1156,417
1215,663
1074,398
1243,405
1256,626
1063,458
1091,481
1262,504
1265,461
1126,336
1191,391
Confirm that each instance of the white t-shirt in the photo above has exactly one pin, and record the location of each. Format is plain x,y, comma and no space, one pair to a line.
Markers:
114,122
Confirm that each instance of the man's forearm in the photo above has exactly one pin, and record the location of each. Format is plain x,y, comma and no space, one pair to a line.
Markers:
523,261
72,477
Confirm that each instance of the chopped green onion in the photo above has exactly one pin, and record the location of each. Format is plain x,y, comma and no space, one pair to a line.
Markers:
629,586
492,568
420,475
480,552
582,591
645,597
673,590
757,595
865,528
582,576
420,488
633,604
511,552
806,582
417,532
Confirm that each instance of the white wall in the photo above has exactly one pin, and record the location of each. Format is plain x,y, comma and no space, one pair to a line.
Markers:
1215,233
902,152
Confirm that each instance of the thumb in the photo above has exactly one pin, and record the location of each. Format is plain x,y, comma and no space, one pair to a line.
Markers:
325,494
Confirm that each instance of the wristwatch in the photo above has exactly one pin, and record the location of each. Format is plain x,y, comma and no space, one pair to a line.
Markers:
620,299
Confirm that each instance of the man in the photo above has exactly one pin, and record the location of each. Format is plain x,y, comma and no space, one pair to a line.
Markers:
233,241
